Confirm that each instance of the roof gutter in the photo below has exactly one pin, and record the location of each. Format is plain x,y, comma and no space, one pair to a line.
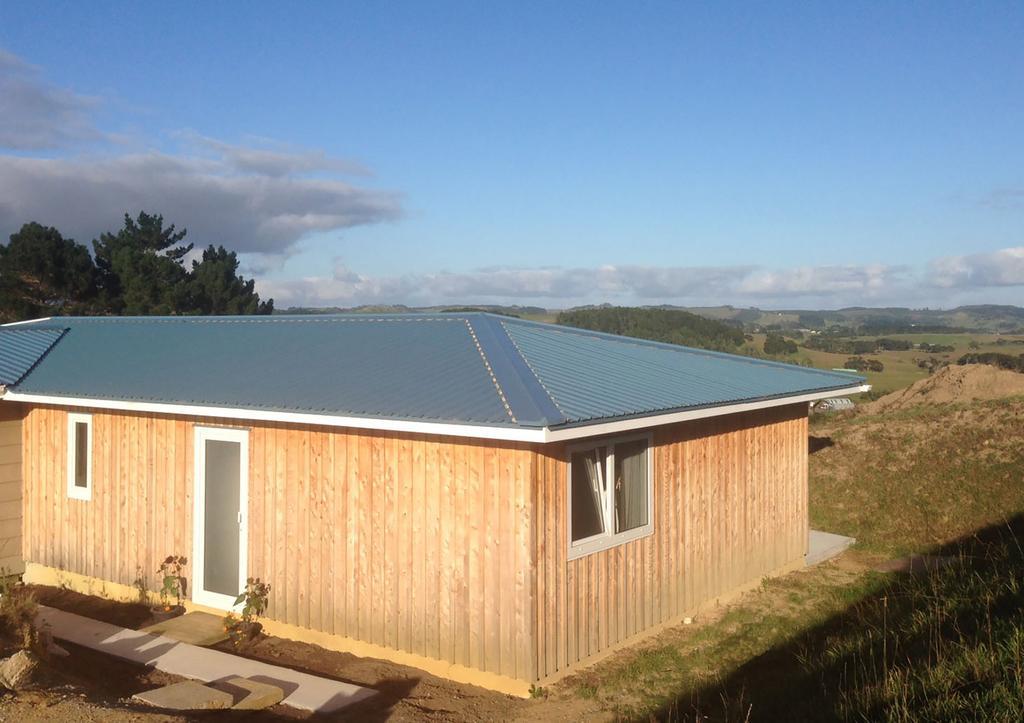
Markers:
627,425
512,434
27,321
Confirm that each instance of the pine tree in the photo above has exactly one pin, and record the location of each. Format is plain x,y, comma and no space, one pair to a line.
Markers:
44,274
216,288
141,267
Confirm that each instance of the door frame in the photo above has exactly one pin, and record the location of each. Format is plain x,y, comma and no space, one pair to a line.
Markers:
220,434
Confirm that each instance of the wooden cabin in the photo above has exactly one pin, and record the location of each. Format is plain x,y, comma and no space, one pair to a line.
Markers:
492,500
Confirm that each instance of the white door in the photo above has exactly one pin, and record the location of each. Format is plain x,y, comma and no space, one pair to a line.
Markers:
220,517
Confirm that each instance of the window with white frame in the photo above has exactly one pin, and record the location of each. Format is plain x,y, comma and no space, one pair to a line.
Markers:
80,456
610,494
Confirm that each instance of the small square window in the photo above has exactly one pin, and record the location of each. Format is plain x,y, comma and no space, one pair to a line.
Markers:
610,495
80,456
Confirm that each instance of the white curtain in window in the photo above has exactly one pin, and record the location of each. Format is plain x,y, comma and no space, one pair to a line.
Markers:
587,494
630,485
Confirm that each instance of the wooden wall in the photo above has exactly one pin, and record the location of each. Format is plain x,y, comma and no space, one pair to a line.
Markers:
424,543
416,543
10,488
730,505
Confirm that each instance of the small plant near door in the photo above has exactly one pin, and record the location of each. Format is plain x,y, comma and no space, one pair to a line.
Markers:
253,600
141,587
172,588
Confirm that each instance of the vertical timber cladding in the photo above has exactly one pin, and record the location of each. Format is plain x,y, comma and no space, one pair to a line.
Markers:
140,509
449,548
413,542
730,506
11,560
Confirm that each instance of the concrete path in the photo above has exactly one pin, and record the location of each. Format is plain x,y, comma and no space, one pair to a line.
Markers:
303,691
823,546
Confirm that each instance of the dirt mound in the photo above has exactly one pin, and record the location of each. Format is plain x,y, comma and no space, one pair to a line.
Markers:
952,384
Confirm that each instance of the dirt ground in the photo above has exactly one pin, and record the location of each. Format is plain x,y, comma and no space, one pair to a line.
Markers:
952,384
92,686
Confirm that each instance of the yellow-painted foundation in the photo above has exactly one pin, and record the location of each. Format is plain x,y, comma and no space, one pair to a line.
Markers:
42,575
723,599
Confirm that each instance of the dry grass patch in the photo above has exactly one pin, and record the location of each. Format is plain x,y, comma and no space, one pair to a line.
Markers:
904,481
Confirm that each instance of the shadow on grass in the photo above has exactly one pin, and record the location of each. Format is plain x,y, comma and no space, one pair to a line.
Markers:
939,644
816,444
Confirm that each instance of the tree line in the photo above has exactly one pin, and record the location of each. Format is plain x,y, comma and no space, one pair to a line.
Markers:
139,270
996,359
668,325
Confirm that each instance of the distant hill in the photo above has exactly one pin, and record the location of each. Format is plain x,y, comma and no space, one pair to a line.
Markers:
669,325
987,318
514,310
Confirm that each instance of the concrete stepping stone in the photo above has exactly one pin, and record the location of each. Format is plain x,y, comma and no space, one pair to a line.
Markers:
822,546
195,628
186,695
302,690
249,694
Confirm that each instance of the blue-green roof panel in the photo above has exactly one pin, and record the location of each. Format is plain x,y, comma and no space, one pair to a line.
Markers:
412,368
592,376
21,349
461,368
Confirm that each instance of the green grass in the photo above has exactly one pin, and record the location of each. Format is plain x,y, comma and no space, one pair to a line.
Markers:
945,645
905,481
669,674
901,368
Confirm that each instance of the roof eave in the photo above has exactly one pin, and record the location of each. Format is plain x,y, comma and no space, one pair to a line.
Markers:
477,431
541,435
619,426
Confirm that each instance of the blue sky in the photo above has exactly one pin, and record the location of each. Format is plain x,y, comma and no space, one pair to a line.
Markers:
769,154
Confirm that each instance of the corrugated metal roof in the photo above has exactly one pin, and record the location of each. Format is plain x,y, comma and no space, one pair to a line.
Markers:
409,367
20,349
467,368
592,376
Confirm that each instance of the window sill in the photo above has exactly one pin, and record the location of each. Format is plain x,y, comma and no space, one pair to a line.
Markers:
606,542
80,493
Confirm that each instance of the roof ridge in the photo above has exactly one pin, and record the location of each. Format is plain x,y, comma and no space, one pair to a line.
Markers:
533,372
529,400
490,371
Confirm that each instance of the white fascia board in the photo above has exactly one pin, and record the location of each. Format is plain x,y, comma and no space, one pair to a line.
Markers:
511,434
27,321
626,425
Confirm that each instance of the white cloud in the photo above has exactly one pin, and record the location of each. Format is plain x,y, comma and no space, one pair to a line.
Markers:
248,212
258,199
868,281
557,285
975,277
36,115
268,158
560,286
1004,267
